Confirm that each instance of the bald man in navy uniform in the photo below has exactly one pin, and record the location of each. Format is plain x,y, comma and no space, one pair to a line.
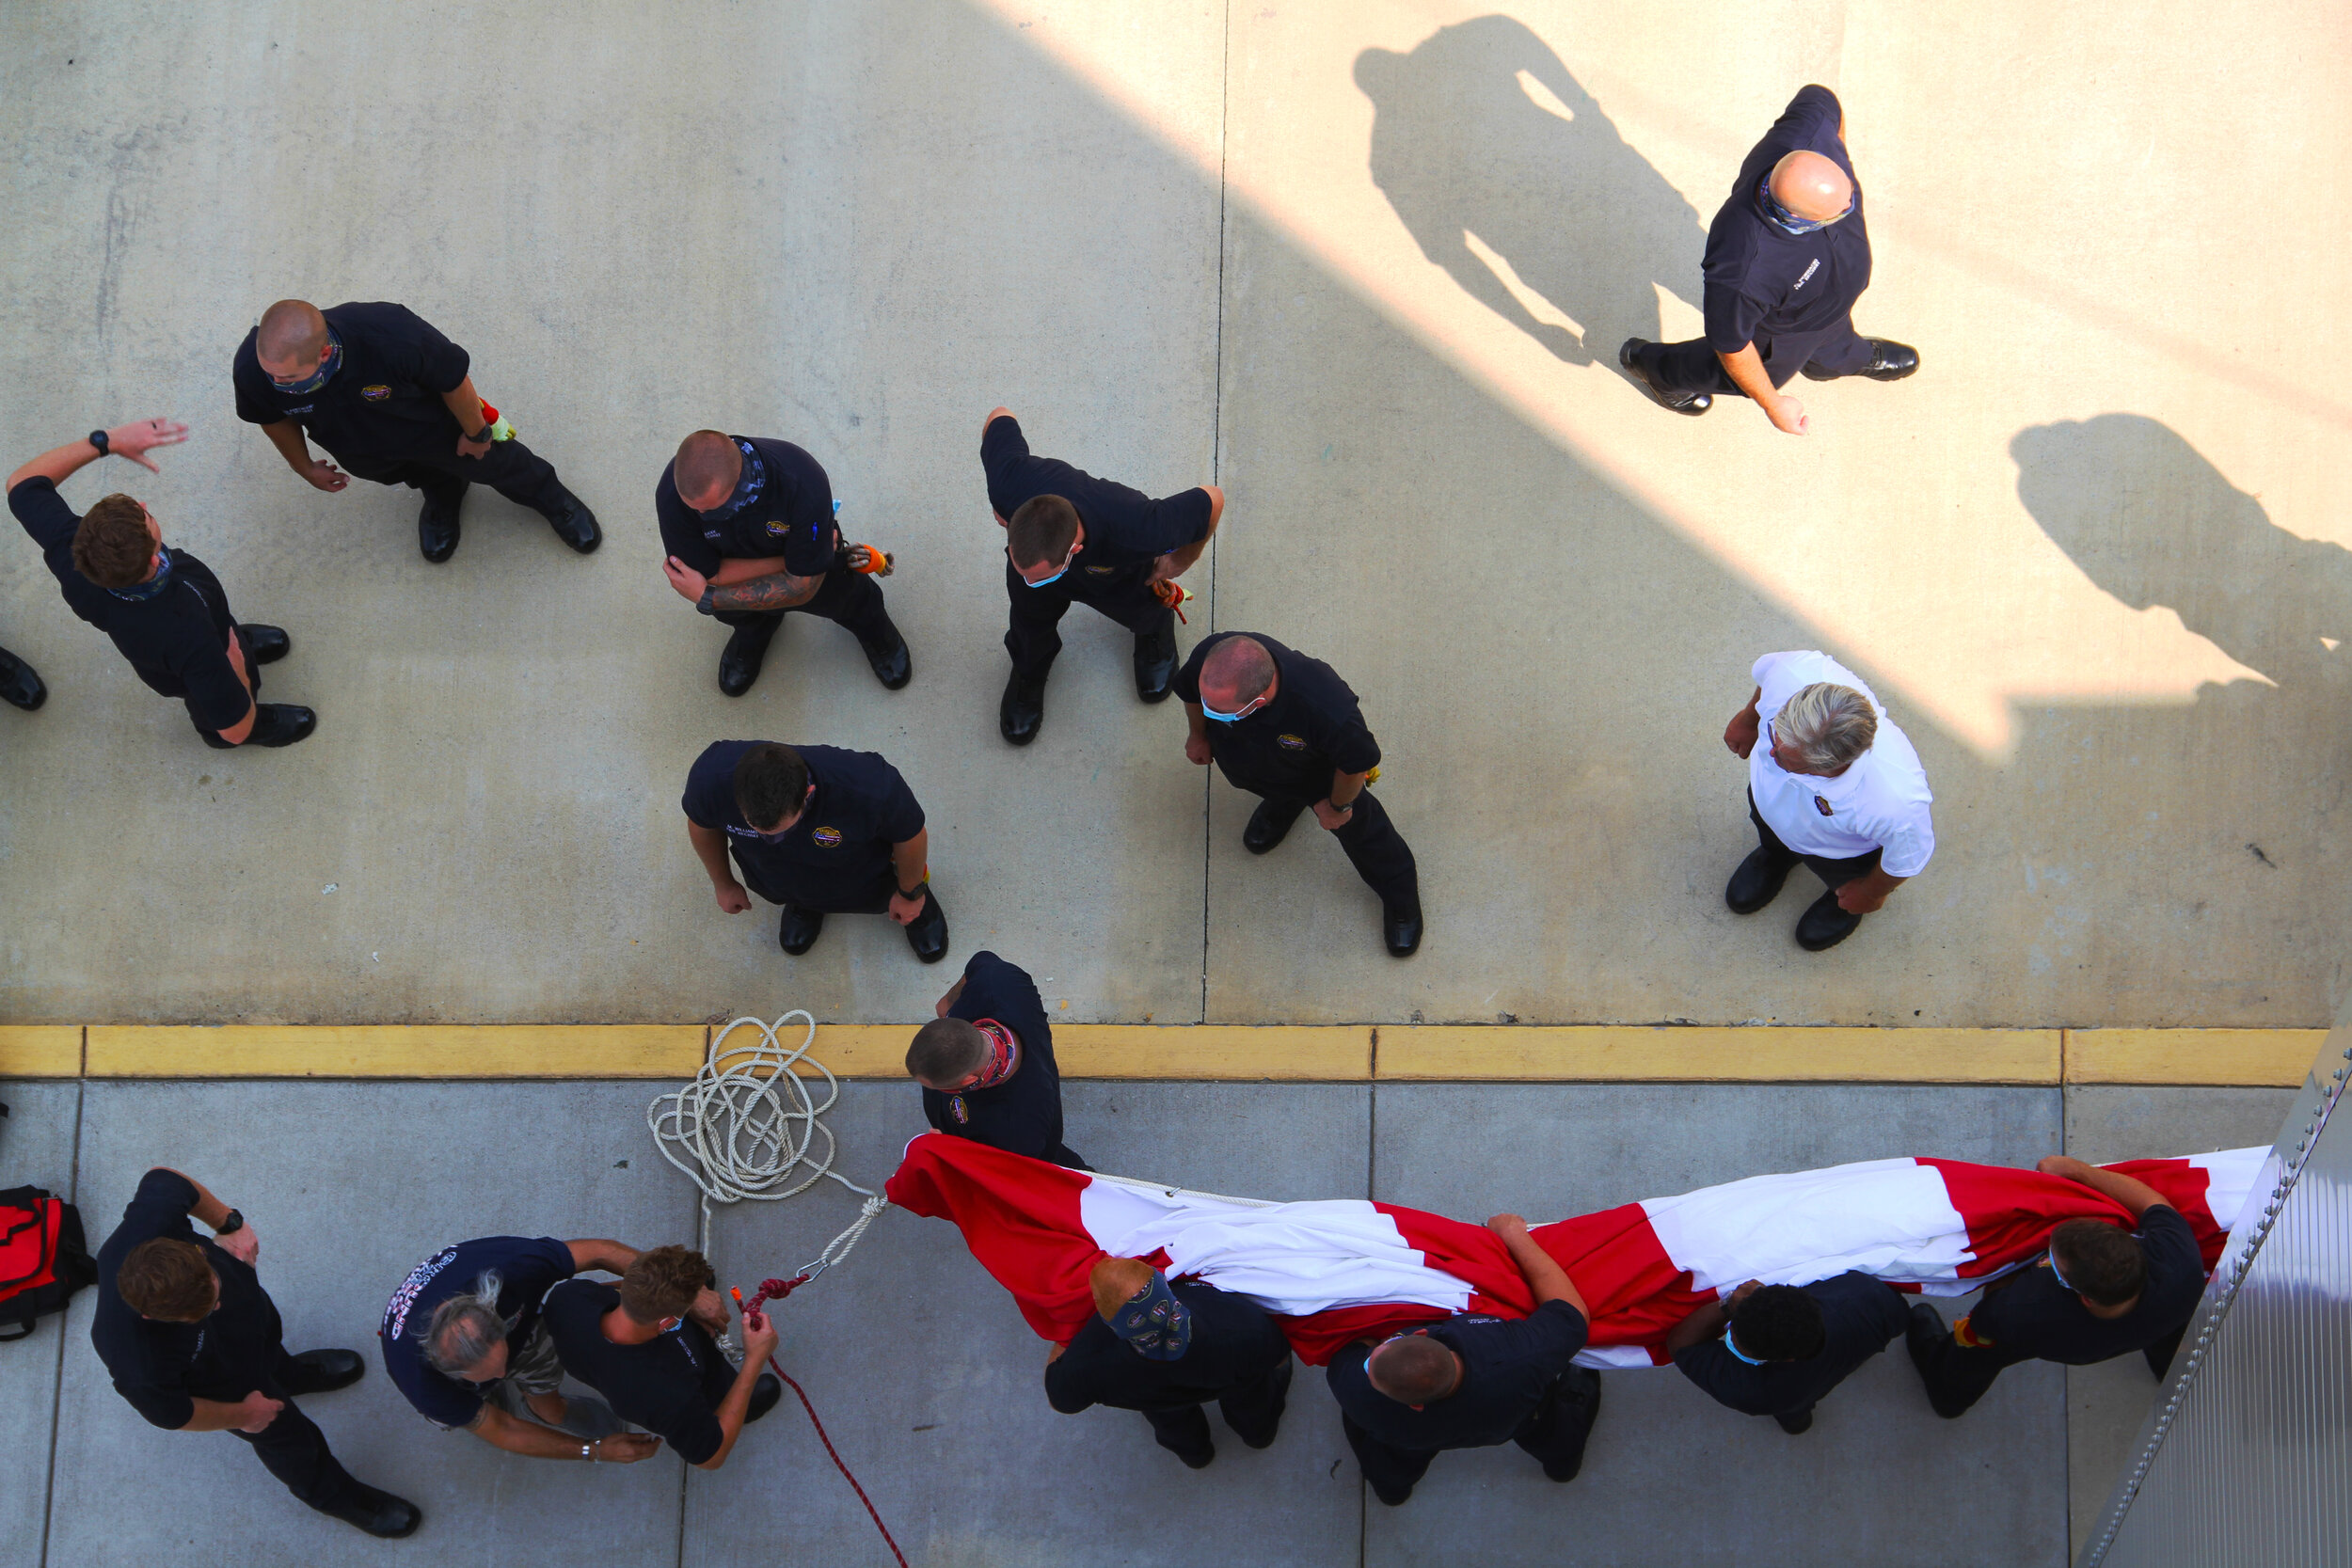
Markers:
1786,258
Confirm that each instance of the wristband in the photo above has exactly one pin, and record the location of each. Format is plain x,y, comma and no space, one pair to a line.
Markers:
703,606
98,438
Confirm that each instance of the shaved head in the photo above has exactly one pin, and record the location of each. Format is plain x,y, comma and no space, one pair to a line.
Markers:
709,463
1811,186
1237,671
292,335
1413,1370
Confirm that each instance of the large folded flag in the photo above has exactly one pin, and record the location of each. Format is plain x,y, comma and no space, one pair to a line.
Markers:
1344,1269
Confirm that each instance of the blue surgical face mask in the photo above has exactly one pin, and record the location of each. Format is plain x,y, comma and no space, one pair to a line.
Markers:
1156,1324
1245,711
2054,1274
1787,221
1732,1344
318,378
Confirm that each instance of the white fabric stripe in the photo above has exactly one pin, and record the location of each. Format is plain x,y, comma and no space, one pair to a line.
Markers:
1290,1258
1891,1219
2230,1176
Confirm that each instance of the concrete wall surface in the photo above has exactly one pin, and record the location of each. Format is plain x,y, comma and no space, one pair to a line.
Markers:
927,1378
1367,266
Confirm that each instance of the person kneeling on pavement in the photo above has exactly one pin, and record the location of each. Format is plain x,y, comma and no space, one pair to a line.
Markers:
194,1344
647,1345
465,1343
1473,1381
1167,1349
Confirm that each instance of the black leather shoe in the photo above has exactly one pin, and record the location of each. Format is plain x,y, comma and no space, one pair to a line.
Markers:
797,932
1270,824
1919,1337
766,1394
1825,925
1796,1425
1023,711
893,665
1400,925
1155,664
739,665
437,525
1889,361
379,1514
20,687
928,933
270,643
1757,882
280,724
1679,402
575,524
1394,1497
322,1371
1201,1460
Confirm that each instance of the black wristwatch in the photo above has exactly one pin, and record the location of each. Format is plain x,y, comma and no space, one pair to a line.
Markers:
704,605
98,439
917,891
230,1226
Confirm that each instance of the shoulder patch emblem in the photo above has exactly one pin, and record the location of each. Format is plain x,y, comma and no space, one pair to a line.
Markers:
1291,742
826,838
376,393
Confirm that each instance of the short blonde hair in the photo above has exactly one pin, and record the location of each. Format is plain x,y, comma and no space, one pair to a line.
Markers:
1829,726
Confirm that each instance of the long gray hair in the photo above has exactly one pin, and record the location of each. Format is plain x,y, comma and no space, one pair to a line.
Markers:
465,1328
1827,725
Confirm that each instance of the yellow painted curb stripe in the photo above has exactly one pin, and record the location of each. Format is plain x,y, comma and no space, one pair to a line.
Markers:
397,1051
2274,1057
1347,1053
41,1050
1685,1055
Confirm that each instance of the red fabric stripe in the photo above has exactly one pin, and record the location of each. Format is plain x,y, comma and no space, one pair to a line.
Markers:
1019,1217
2011,1212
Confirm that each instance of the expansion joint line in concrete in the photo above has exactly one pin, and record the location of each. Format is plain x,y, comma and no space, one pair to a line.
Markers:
1308,1053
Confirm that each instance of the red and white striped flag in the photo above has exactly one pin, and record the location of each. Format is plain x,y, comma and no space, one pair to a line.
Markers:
1344,1269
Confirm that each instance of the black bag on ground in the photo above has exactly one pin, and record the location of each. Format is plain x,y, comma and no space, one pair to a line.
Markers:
43,1257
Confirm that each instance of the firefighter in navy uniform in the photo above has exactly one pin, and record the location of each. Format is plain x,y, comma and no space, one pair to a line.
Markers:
1071,538
747,523
1287,729
392,401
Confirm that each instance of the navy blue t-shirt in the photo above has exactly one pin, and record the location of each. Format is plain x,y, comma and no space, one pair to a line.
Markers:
836,855
1860,1316
1022,1114
177,641
1762,281
673,1385
161,1368
1290,746
1507,1365
781,506
1123,527
383,401
526,1269
2031,1316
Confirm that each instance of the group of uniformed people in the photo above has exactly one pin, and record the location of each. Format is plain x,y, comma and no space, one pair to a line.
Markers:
482,1335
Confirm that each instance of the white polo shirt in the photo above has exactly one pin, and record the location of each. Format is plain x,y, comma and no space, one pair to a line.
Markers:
1881,803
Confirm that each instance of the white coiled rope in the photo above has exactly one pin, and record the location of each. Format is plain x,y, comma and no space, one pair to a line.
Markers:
748,1121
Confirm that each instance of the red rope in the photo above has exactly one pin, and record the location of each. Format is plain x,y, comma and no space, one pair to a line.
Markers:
776,1289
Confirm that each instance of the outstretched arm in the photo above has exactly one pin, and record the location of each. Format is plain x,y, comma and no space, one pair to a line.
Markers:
134,441
2130,1192
1543,1272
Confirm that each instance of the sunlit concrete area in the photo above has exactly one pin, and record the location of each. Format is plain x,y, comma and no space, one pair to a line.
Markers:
1366,267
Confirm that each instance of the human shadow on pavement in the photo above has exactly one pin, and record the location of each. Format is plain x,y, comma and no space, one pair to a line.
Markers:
2151,522
1487,147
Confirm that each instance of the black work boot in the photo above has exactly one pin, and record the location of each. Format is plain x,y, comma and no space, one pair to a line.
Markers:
1757,882
893,665
267,644
1155,663
20,685
437,523
1677,400
575,524
379,1514
797,930
1270,824
738,664
1825,924
1022,712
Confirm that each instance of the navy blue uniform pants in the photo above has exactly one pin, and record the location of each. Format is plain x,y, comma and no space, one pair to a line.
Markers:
851,600
511,468
1374,846
1123,593
293,1449
1252,1410
1692,367
1553,1435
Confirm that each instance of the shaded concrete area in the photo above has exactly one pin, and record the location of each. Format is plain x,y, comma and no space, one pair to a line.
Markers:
928,1383
1365,265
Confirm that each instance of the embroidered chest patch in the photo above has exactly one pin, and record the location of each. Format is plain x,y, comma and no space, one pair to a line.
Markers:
376,393
1291,742
826,838
957,1109
1824,807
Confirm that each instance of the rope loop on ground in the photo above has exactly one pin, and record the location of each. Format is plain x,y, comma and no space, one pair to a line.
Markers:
748,1121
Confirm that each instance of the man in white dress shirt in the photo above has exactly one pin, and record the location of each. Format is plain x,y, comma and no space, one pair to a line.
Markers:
1833,784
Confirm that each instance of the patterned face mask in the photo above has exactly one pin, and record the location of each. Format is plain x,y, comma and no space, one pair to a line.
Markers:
1001,1051
1787,221
318,378
747,485
1154,1323
139,592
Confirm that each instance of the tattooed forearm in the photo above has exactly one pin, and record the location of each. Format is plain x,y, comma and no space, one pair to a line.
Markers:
781,592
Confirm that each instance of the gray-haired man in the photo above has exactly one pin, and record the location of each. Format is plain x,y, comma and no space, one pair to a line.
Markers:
463,1339
1834,784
